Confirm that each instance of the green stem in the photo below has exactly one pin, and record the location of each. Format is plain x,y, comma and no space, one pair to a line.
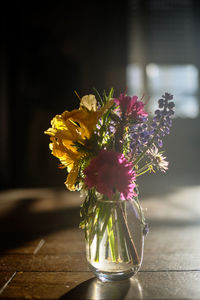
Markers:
103,217
122,239
111,238
98,244
145,171
143,168
114,219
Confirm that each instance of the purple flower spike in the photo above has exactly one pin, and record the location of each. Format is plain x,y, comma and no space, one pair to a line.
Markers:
143,135
162,119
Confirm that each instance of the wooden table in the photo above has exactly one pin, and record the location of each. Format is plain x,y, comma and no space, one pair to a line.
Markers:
43,257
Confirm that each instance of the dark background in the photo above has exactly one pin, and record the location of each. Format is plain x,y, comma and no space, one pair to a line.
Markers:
50,50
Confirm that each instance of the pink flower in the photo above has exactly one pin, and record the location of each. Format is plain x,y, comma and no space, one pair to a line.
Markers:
131,106
110,171
123,102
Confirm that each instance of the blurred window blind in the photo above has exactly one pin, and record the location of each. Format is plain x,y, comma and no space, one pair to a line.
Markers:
162,31
162,52
180,80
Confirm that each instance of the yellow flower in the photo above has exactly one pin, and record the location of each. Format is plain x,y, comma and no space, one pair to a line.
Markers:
70,127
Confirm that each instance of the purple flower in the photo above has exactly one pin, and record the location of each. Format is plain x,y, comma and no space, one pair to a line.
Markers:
143,135
140,136
162,120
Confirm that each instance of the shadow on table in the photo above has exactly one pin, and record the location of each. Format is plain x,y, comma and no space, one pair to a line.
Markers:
96,289
22,223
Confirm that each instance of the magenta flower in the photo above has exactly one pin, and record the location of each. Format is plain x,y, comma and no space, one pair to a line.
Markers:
110,171
130,106
123,102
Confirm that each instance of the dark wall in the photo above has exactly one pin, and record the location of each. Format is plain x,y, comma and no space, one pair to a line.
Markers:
47,53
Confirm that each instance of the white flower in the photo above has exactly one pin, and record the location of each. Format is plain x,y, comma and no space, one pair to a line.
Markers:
158,159
89,102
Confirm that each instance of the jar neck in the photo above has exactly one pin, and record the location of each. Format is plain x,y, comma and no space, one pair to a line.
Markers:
113,200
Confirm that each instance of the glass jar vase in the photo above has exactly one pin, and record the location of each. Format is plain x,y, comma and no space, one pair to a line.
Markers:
115,239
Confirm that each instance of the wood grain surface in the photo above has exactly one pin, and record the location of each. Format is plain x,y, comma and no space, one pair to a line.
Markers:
42,250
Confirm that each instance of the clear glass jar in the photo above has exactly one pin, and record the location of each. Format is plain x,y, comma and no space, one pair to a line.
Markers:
115,239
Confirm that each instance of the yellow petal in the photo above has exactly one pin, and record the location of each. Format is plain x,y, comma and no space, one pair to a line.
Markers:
66,156
72,177
58,122
75,126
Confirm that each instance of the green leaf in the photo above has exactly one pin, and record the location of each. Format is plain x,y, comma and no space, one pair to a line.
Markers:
111,93
98,97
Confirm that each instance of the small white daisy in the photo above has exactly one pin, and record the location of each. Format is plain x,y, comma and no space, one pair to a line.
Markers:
157,159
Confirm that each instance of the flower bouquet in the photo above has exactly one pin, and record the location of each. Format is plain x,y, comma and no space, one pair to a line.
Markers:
105,145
